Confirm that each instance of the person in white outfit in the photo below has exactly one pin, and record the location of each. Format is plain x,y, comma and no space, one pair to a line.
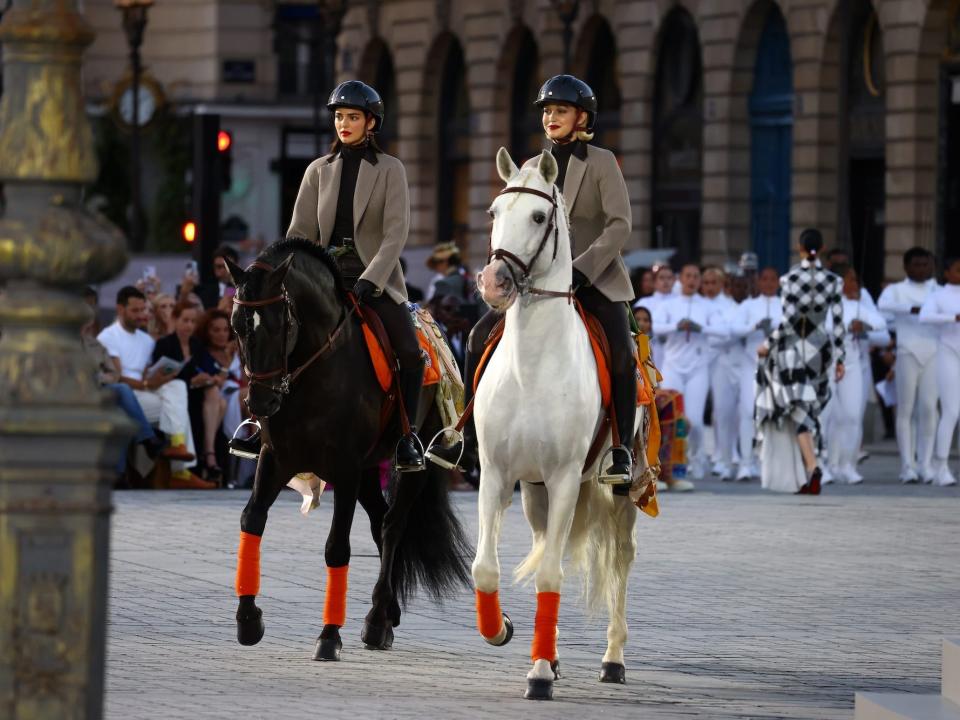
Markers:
942,310
752,322
724,376
663,278
843,416
688,320
915,371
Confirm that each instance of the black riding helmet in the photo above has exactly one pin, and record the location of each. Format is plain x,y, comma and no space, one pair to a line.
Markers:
355,94
572,90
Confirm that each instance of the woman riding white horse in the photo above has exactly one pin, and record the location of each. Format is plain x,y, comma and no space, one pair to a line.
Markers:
599,212
537,409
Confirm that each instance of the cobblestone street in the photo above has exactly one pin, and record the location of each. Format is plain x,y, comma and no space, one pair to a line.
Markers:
743,604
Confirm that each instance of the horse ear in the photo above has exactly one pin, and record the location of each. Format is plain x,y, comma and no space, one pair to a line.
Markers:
236,272
278,274
548,167
505,165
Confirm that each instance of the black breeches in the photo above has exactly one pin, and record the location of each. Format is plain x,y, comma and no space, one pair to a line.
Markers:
399,326
612,316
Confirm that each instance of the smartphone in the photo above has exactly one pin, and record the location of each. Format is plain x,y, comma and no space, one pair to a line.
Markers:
149,272
192,268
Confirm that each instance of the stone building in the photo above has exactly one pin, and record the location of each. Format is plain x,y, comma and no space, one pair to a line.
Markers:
737,123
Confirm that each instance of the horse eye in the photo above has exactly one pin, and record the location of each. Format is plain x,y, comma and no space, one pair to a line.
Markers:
539,217
492,213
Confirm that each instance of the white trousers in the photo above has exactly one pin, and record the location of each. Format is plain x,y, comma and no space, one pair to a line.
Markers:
916,392
725,389
844,428
693,386
948,380
747,401
167,407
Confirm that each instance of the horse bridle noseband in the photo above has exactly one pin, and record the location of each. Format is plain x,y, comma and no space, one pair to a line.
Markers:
290,322
523,281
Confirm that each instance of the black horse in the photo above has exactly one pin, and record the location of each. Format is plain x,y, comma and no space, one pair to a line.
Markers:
314,390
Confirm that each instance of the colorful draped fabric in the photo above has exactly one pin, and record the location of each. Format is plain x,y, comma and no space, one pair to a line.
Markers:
673,435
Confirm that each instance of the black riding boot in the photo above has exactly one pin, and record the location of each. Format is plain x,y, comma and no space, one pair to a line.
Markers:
620,472
446,457
409,457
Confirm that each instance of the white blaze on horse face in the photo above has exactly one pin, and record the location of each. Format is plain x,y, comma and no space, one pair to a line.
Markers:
256,320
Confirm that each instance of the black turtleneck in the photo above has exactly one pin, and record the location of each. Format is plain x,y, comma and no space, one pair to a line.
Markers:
562,153
350,158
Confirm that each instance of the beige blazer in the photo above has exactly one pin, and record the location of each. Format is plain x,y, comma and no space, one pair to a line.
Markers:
381,215
600,221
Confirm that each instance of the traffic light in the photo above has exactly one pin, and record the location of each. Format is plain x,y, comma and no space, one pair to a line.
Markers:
225,156
189,231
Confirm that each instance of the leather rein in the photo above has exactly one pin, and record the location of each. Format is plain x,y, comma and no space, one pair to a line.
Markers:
523,281
290,322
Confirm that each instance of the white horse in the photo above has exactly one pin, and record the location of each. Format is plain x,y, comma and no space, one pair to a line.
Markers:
537,411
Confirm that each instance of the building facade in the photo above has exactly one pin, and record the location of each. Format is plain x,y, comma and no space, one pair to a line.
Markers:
737,123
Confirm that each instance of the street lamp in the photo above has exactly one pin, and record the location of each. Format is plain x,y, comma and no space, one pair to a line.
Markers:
134,21
567,11
329,20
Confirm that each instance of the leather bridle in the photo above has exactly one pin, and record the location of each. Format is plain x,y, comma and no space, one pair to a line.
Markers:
523,281
291,327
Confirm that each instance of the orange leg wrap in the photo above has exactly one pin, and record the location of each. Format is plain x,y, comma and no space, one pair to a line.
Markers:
248,565
335,601
489,617
544,646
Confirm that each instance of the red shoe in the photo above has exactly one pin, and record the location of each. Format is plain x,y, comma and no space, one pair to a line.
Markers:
178,452
814,483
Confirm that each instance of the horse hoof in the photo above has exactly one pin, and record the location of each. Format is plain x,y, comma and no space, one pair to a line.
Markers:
539,689
613,673
250,627
377,638
508,636
328,648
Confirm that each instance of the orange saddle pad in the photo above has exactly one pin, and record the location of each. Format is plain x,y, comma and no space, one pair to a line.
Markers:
384,368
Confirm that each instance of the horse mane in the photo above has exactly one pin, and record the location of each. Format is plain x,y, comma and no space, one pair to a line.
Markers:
276,252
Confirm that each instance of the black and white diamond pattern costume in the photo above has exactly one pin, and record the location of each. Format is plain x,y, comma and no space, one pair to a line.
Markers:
793,380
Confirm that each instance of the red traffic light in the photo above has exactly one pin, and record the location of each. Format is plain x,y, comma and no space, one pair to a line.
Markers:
224,141
189,231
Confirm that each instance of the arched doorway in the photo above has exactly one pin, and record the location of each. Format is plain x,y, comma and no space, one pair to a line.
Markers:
598,55
948,184
861,221
678,138
377,69
526,130
771,144
453,148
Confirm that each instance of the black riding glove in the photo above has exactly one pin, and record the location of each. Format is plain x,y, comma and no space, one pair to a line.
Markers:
364,290
579,279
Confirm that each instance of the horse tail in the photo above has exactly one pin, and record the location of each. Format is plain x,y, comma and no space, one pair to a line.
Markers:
602,544
432,552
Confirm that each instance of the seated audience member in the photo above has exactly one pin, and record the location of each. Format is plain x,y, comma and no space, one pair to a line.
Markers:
203,378
161,316
216,337
161,396
109,377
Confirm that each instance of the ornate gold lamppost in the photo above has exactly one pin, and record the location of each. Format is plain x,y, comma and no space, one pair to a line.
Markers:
58,433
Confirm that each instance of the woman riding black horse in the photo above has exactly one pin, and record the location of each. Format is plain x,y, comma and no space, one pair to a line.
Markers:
354,202
315,389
